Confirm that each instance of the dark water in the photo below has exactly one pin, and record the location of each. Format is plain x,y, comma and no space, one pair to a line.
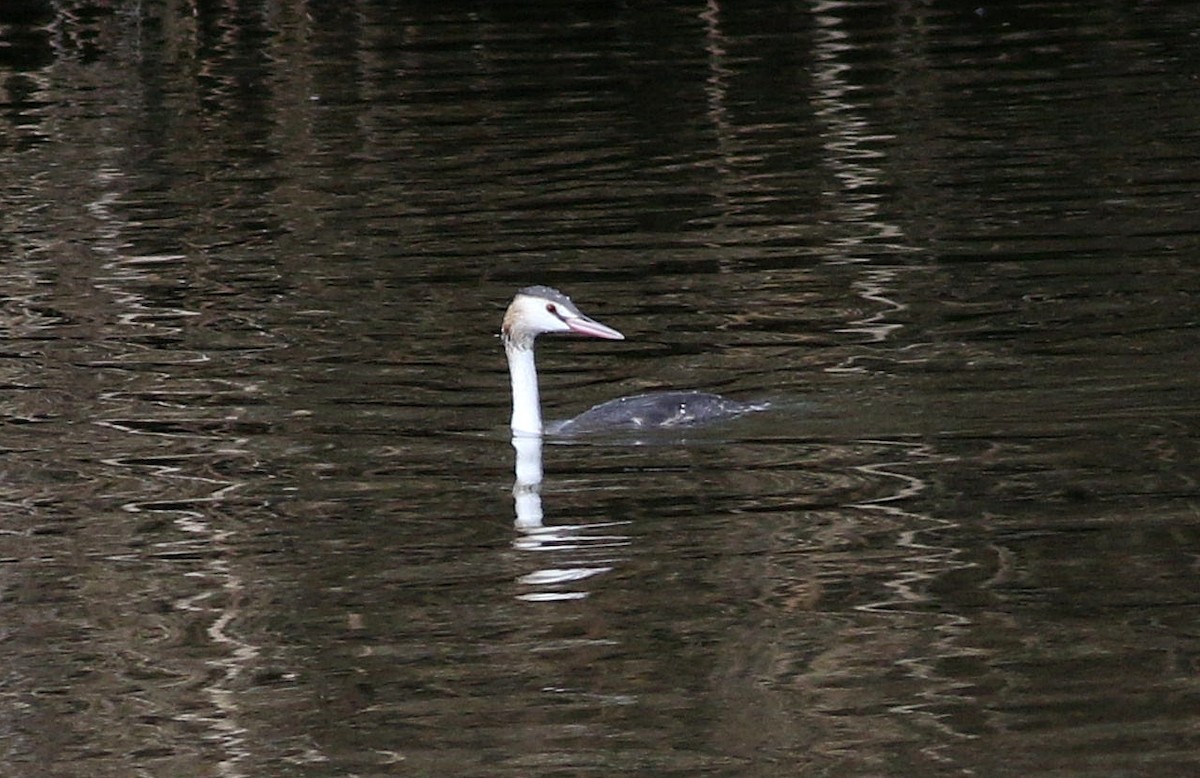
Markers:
257,497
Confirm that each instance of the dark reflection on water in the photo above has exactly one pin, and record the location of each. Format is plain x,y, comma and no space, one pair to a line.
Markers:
259,513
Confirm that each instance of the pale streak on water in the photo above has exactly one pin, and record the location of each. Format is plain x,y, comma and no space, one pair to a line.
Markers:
259,504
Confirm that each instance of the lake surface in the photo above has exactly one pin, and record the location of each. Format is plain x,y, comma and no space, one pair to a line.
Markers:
260,512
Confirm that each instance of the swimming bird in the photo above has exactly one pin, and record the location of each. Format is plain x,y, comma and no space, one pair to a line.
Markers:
536,310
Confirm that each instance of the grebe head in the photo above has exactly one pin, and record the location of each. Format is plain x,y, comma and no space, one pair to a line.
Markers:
539,309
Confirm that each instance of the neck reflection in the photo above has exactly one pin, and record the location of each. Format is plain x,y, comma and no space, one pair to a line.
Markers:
577,552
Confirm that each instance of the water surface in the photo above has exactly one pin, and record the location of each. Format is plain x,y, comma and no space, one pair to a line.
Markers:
261,511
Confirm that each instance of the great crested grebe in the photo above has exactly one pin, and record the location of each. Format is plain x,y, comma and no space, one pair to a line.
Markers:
540,309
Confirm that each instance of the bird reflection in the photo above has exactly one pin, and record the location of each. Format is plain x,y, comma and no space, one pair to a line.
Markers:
577,552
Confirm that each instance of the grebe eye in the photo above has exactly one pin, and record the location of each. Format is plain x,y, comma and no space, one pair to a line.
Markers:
552,308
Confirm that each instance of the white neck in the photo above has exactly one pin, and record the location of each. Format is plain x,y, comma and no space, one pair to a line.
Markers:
526,407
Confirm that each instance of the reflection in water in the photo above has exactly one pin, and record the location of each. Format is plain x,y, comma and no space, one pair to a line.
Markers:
142,403
854,152
853,148
926,560
244,250
577,552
